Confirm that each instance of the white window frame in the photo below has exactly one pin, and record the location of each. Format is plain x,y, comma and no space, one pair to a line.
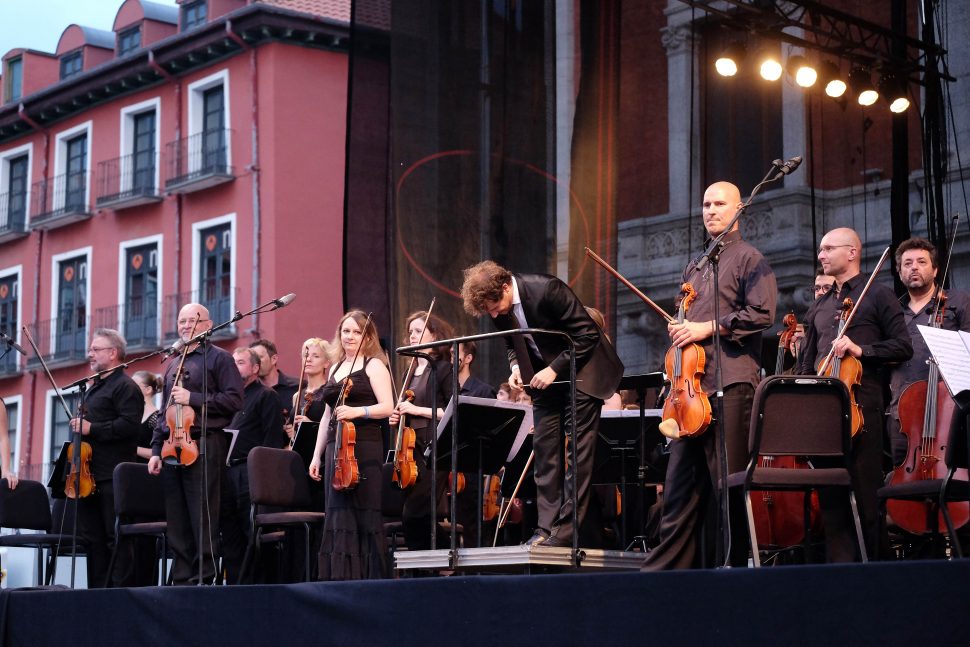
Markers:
197,228
50,402
123,248
60,163
5,157
56,260
127,139
195,106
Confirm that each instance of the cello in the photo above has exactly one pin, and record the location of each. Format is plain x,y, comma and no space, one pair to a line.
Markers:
687,409
779,517
346,472
925,413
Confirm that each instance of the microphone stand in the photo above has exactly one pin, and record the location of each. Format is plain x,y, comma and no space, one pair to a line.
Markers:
712,255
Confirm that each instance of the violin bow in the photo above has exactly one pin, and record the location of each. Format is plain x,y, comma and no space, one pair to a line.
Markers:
622,279
946,269
848,321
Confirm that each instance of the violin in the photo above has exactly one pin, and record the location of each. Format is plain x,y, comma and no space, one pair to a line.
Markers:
80,482
848,369
925,413
179,448
346,473
687,410
457,483
493,491
405,468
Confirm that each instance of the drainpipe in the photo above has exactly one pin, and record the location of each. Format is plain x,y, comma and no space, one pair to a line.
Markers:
27,425
253,168
177,274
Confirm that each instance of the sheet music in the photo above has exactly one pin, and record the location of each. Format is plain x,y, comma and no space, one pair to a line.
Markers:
951,350
233,436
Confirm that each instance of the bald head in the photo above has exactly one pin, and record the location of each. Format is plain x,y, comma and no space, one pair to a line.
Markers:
721,202
840,254
193,319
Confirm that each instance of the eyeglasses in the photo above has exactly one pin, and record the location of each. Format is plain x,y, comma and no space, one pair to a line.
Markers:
95,349
186,322
824,288
829,248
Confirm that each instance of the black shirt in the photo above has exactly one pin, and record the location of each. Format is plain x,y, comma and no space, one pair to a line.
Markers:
878,327
225,389
748,295
477,388
259,421
285,389
956,316
114,406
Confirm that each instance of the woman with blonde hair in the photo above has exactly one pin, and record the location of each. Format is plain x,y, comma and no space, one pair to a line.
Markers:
353,532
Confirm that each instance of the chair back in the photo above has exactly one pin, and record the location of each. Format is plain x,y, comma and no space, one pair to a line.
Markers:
392,497
27,507
277,477
138,493
956,449
800,416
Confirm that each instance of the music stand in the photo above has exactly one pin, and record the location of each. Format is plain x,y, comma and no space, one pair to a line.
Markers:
640,384
58,478
490,435
622,437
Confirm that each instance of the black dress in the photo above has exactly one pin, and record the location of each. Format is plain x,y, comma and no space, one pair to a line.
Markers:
353,546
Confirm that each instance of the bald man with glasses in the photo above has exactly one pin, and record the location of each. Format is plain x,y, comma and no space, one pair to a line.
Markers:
878,338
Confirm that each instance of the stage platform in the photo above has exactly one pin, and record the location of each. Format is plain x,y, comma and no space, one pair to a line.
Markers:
518,559
900,603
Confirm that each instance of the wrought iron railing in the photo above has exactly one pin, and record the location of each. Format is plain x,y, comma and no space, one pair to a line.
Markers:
62,340
127,177
219,300
198,156
62,195
13,213
137,320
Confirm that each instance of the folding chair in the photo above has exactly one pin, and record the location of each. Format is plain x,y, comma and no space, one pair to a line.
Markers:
139,512
799,416
277,478
29,508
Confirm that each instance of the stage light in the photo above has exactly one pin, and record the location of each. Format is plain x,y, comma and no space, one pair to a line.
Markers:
803,73
861,83
729,60
832,79
893,88
770,67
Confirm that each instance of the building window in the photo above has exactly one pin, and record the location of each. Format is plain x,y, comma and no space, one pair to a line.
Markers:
71,64
9,320
129,40
13,425
75,188
13,79
213,130
143,153
60,423
215,271
141,295
72,307
193,14
13,212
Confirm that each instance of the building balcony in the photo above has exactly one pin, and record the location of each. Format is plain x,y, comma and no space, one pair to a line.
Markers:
198,162
62,341
13,216
218,299
9,359
137,320
59,201
127,181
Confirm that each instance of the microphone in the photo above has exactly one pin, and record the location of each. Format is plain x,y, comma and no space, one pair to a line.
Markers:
174,349
283,301
10,342
790,165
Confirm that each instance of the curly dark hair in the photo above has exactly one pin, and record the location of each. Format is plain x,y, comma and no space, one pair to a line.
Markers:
483,282
915,243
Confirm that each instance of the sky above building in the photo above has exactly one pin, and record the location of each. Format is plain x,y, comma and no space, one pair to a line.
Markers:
38,24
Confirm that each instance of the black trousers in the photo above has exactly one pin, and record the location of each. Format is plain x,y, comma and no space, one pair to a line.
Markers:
184,502
688,489
552,418
95,523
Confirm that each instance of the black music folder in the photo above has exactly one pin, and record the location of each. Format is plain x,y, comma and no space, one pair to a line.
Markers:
490,433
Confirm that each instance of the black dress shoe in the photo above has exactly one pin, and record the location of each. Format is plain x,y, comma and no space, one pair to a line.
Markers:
556,541
539,537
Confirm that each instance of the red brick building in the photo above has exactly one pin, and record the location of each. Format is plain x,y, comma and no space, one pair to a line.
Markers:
189,154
